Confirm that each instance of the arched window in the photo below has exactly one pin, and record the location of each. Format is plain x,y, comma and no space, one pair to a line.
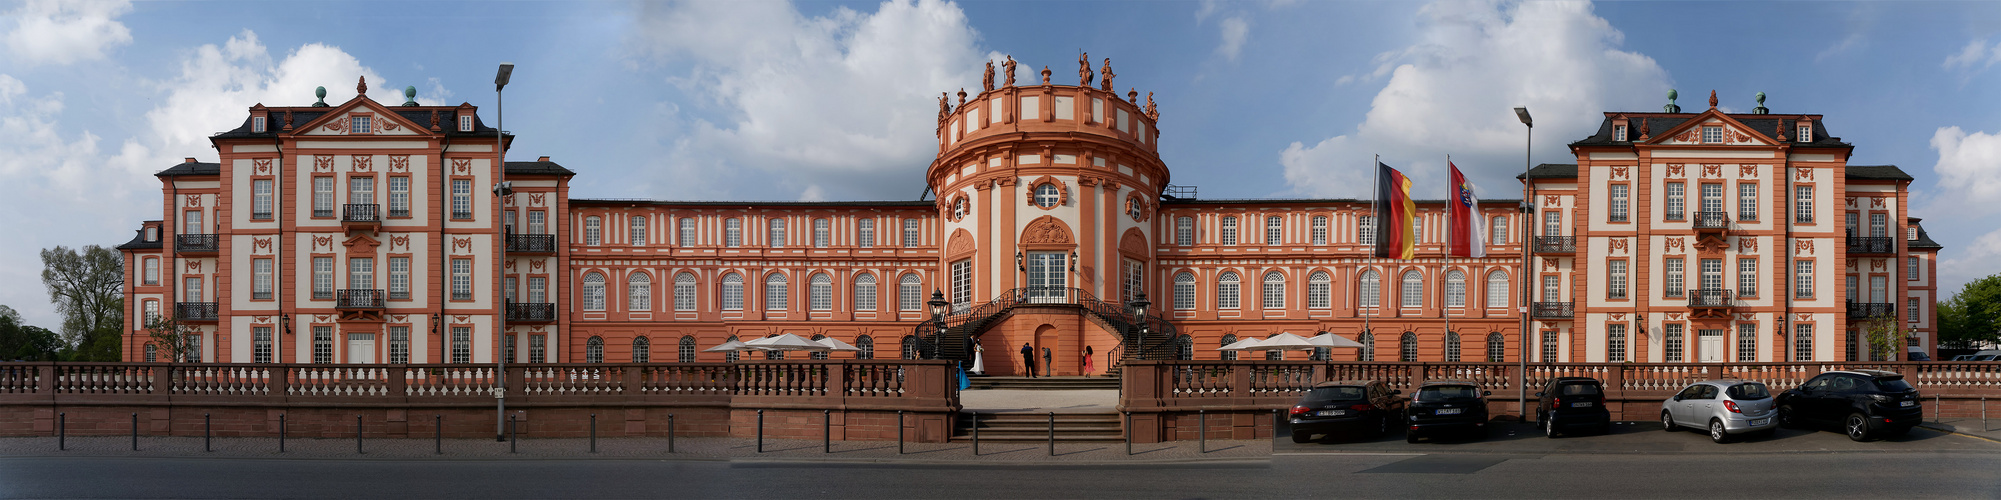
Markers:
1226,291
910,292
1187,348
639,292
909,347
594,350
642,350
1407,348
684,292
865,347
1368,350
686,352
1227,340
819,354
821,293
1452,346
733,291
1413,289
637,233
593,292
593,230
865,292
1497,348
1184,291
774,292
1497,289
1455,289
1371,289
1047,196
1319,290
1274,291
731,356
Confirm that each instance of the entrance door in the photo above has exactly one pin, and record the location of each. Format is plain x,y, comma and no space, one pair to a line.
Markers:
361,348
1047,278
1712,345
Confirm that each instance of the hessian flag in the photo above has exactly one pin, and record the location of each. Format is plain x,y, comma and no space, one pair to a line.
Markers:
1466,221
1396,230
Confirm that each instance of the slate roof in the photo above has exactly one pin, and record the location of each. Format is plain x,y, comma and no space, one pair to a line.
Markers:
1924,240
1551,171
420,115
195,168
1877,172
1659,123
749,204
1302,201
139,241
536,168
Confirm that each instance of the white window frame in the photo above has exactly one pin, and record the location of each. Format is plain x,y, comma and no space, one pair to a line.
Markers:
1747,277
1747,201
1227,288
593,291
865,292
1712,134
1497,289
910,293
775,232
1184,231
593,231
1620,206
733,232
820,292
865,229
1412,287
1274,291
1370,289
1455,288
1319,290
1229,230
822,233
776,293
639,292
636,230
1274,230
732,286
685,287
465,123
1184,291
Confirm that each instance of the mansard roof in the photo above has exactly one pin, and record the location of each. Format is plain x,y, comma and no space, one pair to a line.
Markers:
538,167
139,240
191,168
577,202
1303,201
1877,172
1658,123
447,121
1551,171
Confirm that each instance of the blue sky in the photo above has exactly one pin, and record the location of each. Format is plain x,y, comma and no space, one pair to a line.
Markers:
835,100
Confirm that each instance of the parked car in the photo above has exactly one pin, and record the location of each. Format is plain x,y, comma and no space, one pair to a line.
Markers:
1726,408
1444,406
1867,403
1917,356
1332,408
1568,404
1985,356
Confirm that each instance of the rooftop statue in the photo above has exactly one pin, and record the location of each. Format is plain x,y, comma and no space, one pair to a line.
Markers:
1107,75
1010,70
1083,69
987,82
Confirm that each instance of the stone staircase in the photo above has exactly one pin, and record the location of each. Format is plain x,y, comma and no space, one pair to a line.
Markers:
1045,383
1034,427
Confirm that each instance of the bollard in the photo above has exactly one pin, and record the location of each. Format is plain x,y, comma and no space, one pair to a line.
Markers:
281,433
670,433
441,433
899,432
357,434
1938,415
62,431
135,432
207,434
826,431
1202,428
1052,433
1129,434
594,433
760,431
1983,413
976,434
513,436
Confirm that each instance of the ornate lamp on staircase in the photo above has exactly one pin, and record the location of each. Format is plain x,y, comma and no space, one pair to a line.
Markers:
938,306
1138,306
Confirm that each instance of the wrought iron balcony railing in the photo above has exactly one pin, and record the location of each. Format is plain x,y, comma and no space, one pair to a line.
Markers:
195,311
1711,220
1553,310
195,242
1871,310
359,299
1871,245
361,212
531,311
531,243
1556,244
1710,298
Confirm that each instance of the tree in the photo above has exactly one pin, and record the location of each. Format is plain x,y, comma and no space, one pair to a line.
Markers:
1973,314
1883,337
87,288
19,342
174,339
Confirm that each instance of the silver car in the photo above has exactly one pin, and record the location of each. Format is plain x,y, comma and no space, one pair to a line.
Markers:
1725,408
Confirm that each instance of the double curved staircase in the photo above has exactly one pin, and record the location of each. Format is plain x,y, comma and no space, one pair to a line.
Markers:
1155,339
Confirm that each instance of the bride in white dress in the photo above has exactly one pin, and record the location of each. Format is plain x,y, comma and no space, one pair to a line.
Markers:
979,359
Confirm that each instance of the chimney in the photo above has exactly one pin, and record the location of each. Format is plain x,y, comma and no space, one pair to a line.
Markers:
190,159
542,159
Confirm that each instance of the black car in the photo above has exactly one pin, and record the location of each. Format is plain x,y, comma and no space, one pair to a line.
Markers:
1570,404
1345,407
1446,407
1867,404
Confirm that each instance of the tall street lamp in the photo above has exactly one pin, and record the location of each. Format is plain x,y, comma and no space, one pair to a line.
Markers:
501,189
1528,252
938,305
1138,306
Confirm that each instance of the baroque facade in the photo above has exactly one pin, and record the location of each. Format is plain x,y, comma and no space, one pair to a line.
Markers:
367,233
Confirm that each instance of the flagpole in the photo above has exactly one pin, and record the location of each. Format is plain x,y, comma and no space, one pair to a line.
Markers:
1451,197
1375,171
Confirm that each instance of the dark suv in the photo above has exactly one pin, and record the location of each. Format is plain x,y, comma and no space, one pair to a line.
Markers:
1867,403
1446,406
1336,407
1569,404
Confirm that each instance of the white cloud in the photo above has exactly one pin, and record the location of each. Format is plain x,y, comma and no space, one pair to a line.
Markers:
1452,92
63,32
1975,56
1969,166
1980,259
845,102
1234,30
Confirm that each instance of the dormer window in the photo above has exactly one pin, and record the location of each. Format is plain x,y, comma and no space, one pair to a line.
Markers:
1619,133
1805,133
1911,233
1712,135
257,124
358,124
152,234
465,123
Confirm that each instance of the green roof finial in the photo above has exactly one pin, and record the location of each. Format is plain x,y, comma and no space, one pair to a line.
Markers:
322,93
1761,109
410,95
1671,107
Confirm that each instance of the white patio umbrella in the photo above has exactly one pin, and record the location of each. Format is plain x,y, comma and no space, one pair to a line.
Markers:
1283,342
1332,340
834,344
1239,345
786,342
731,346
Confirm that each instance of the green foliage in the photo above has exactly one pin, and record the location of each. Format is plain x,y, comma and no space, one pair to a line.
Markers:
20,342
174,339
87,287
1882,337
1973,314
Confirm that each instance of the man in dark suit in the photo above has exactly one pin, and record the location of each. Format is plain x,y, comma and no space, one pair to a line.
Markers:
1028,358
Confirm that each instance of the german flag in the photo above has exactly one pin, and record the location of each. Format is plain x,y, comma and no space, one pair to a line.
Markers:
1396,229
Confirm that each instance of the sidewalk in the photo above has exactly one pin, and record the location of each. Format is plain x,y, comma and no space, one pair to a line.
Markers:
1974,427
707,448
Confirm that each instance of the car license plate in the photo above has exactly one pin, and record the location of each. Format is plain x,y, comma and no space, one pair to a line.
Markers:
1908,404
1586,404
1449,411
1330,413
1761,421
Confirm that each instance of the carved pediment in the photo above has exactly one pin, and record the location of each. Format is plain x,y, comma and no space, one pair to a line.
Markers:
1735,133
1047,230
960,243
361,243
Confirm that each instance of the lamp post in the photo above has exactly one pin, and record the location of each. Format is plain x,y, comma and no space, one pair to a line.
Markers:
938,306
501,189
1138,307
1528,252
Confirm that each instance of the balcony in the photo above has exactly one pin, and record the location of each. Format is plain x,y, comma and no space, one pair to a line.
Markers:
352,299
1859,310
530,312
531,243
1556,244
1553,310
194,311
361,216
1871,245
1710,221
195,243
1710,299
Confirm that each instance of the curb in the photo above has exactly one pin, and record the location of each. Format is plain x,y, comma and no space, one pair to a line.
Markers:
1943,428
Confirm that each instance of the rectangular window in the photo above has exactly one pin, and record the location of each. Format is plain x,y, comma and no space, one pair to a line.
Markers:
1747,277
1712,274
1805,133
359,124
260,344
1673,270
1673,344
1615,279
462,199
1619,203
1551,292
465,123
260,199
150,312
461,279
1803,342
1803,279
1365,230
684,293
1854,220
1803,204
461,344
1184,231
687,231
822,233
1319,293
1712,135
399,345
910,234
1879,289
865,233
1911,310
1227,291
1854,283
777,235
1910,268
152,271
538,348
361,190
1274,230
1319,229
1615,343
733,232
1550,345
191,291
1619,133
507,288
399,278
1499,227
257,124
1229,230
323,278
322,344
1677,201
1747,201
909,294
1552,223
1879,225
1184,292
399,196
260,281
323,197
962,284
1497,290
865,293
1712,199
1747,342
1417,229
361,273
1911,233
191,223
1132,279
538,290
636,230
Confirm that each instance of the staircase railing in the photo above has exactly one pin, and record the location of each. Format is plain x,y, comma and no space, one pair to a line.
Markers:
1157,341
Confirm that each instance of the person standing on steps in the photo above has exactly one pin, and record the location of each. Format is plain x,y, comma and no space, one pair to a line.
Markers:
1028,358
1087,361
979,359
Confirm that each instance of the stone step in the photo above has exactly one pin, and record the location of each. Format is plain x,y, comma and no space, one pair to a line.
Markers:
1029,427
1044,383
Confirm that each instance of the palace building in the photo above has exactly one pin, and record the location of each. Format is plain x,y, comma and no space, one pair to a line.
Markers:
363,232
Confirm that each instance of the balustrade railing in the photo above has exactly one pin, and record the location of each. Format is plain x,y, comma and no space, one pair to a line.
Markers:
361,212
1871,245
202,243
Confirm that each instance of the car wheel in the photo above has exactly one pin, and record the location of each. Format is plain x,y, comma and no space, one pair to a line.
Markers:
1667,421
1717,432
1788,419
1549,428
1410,437
1857,427
1301,437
